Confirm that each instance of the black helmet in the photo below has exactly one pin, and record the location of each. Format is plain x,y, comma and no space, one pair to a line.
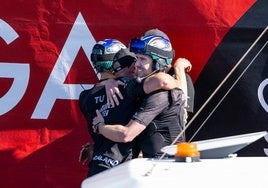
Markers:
156,44
103,53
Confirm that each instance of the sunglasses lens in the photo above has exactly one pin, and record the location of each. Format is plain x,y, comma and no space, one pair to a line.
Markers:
137,46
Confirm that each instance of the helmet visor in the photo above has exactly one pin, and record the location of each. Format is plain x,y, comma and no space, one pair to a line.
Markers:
139,46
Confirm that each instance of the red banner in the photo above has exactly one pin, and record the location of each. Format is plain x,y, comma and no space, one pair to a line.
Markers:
45,64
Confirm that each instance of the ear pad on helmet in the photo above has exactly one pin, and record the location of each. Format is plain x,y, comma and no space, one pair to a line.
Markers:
159,65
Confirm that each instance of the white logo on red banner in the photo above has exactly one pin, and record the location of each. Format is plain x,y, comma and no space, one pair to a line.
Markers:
79,37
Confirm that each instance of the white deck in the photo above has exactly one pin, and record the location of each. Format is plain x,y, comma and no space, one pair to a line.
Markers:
246,172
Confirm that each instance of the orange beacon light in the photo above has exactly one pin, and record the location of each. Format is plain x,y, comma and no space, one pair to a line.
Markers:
187,152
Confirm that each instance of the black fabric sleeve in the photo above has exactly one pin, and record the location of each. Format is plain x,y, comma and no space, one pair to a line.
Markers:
135,89
151,106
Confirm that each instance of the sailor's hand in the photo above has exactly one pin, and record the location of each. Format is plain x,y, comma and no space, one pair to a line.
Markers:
112,91
184,64
97,121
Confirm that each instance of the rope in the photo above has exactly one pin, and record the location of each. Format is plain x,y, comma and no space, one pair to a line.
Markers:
216,90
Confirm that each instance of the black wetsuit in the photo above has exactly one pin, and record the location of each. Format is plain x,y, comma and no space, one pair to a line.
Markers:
162,112
107,153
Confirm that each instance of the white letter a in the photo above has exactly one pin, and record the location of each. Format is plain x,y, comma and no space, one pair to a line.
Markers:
80,36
